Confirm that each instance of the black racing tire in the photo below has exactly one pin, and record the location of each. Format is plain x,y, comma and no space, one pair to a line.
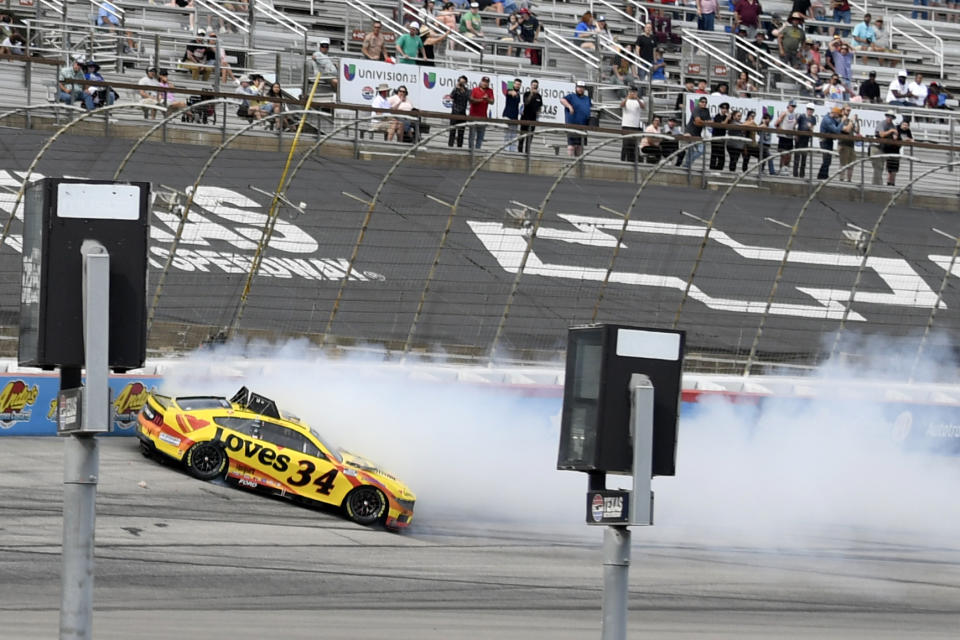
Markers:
366,505
206,461
146,449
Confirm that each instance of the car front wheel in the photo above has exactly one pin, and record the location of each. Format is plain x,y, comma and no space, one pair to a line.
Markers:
206,460
366,505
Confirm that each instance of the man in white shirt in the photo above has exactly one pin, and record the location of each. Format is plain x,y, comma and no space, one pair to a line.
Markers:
146,95
382,101
898,91
631,110
918,90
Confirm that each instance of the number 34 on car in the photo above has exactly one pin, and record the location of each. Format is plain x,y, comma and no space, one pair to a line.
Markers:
247,439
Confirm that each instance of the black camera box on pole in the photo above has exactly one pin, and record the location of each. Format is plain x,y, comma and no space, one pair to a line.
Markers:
59,214
595,428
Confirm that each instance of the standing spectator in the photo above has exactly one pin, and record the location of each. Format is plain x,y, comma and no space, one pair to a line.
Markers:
631,109
459,99
804,8
586,29
688,87
842,61
698,120
433,43
747,15
841,13
658,72
480,100
324,64
198,56
67,91
529,31
410,46
646,44
735,145
765,141
650,145
707,11
786,121
850,125
832,123
819,84
511,111
373,43
904,133
887,132
898,93
919,14
532,103
805,122
918,90
718,147
471,24
870,90
790,40
577,105
148,91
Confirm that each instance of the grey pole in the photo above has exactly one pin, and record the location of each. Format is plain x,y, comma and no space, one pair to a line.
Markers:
81,457
616,571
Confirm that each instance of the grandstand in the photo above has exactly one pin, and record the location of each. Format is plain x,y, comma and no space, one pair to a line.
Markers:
275,38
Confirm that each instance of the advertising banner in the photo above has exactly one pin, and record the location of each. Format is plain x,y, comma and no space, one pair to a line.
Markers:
429,87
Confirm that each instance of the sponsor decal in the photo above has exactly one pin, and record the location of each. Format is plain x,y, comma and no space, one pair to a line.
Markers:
169,439
367,92
503,87
246,481
349,71
596,508
52,411
429,79
943,430
16,398
447,101
128,404
613,506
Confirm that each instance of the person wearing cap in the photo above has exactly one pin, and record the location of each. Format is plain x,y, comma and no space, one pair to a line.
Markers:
511,111
410,45
577,107
198,57
718,148
631,111
481,97
898,93
324,65
381,102
888,132
869,89
864,34
148,91
671,146
471,24
786,121
880,44
246,89
831,123
529,31
459,101
373,43
805,122
790,40
698,120
67,92
95,95
707,11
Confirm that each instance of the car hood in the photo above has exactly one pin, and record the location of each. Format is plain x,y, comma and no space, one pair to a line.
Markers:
360,463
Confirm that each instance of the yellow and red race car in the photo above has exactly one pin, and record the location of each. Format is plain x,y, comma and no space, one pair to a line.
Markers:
249,440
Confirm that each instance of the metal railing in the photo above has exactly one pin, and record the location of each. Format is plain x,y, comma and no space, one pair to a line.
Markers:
775,64
637,22
581,54
452,34
227,16
937,52
264,8
713,51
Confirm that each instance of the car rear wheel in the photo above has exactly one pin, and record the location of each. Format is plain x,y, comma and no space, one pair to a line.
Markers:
206,460
366,505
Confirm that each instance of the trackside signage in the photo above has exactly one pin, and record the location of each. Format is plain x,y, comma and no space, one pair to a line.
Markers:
429,87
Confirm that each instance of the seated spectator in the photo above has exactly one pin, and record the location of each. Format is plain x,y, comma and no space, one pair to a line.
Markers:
247,89
937,97
197,57
650,146
225,71
381,102
271,104
604,37
324,65
897,91
622,73
148,91
108,16
811,53
167,97
744,87
13,45
471,24
185,4
870,90
813,74
586,29
95,95
918,90
835,90
402,126
6,25
67,92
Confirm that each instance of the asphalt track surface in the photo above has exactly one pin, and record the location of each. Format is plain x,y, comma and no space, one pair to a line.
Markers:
179,558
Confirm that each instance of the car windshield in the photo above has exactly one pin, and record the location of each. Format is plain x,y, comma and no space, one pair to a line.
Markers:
334,451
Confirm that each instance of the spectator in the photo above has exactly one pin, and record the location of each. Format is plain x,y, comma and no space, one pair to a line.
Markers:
148,91
529,31
67,92
842,61
198,56
6,25
532,104
765,140
646,44
650,145
723,89
373,42
698,120
735,144
937,97
864,34
791,40
718,148
95,95
702,87
433,44
747,15
471,22
13,45
835,91
786,121
819,84
850,125
266,107
670,146
622,73
804,8
869,89
707,11
813,54
904,133
410,45
381,102
744,87
225,70
882,38
480,100
841,13
324,65
898,93
887,132
108,16
832,123
491,5
185,4
918,90
586,29
402,127
631,109
688,87
511,111
805,122
167,97
604,37
448,16
577,105
658,72
243,111
459,99
919,14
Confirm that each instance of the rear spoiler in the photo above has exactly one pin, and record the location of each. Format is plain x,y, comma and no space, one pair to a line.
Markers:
162,400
